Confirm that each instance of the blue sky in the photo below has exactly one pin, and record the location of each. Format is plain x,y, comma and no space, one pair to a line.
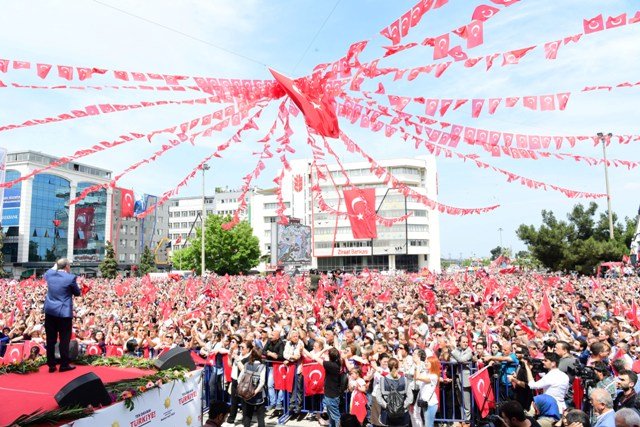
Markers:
290,37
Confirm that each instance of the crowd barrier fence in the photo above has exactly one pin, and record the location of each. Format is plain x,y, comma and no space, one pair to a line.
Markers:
456,403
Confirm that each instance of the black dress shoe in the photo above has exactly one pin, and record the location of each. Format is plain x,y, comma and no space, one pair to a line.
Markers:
67,368
52,369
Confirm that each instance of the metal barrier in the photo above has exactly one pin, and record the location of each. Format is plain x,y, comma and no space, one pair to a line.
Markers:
456,402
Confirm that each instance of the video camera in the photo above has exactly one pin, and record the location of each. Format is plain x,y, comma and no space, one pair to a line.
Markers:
585,373
491,421
536,365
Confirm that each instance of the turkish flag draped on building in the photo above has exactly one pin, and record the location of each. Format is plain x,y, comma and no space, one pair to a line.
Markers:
283,376
313,379
361,211
127,202
482,391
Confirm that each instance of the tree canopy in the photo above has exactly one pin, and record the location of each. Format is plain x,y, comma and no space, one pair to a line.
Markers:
226,251
109,266
581,242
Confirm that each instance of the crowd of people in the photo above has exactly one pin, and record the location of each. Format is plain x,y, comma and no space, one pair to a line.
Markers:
560,350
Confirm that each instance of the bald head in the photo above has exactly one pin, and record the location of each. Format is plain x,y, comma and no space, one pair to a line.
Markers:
63,264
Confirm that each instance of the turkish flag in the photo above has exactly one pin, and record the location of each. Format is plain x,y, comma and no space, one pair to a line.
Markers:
361,209
283,376
65,72
545,314
475,34
13,353
127,202
93,350
441,46
226,368
527,330
313,379
594,24
319,110
43,70
634,315
482,391
115,351
484,12
359,406
28,345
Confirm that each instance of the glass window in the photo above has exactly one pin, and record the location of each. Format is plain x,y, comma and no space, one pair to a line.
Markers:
90,225
11,217
49,218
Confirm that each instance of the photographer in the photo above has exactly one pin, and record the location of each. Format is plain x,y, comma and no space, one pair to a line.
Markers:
562,349
628,398
605,379
554,383
521,391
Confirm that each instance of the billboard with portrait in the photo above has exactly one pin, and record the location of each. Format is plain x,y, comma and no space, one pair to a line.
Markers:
290,244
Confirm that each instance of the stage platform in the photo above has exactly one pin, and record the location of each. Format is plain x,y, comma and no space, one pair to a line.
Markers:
25,393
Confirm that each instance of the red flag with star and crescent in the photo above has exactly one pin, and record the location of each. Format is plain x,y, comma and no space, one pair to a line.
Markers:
318,109
359,406
313,379
283,376
361,209
482,391
127,202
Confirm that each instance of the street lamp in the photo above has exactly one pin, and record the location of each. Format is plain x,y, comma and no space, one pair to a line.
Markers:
205,167
604,140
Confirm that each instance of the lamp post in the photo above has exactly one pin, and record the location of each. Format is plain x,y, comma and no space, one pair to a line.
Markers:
604,139
500,233
205,168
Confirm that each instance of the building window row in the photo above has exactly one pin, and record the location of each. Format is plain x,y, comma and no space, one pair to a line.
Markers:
275,205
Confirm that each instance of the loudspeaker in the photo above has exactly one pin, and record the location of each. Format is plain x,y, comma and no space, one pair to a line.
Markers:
73,350
177,356
85,390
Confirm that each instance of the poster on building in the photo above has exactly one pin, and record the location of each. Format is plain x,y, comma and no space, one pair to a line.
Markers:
174,404
292,244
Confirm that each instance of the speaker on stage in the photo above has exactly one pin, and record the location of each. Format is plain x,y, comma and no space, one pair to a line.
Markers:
177,356
73,350
85,390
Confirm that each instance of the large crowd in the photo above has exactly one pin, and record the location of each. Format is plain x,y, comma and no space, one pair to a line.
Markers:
402,346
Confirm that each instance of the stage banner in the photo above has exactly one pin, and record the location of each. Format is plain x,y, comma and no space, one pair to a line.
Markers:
174,404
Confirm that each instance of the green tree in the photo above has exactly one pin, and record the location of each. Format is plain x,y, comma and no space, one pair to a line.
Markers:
226,251
109,265
496,252
147,262
579,243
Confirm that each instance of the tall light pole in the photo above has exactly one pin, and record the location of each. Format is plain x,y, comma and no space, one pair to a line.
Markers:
205,168
500,233
604,140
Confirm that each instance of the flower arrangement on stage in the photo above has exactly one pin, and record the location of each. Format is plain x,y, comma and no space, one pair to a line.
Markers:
118,362
23,367
53,417
126,390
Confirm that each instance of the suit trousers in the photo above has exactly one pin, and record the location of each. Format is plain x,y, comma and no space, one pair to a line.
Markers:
58,326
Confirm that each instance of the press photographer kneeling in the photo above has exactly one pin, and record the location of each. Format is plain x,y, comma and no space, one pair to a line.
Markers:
554,383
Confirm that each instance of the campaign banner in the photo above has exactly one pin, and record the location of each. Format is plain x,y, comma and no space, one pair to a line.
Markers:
174,404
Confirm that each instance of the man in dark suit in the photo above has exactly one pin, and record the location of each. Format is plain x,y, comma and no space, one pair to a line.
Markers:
58,312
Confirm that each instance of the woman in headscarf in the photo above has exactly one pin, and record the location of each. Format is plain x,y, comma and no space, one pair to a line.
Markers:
546,410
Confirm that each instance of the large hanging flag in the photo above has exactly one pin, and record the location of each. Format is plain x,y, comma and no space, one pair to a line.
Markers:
318,109
127,202
362,213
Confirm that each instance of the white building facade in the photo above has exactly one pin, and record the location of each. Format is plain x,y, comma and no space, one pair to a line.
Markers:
407,245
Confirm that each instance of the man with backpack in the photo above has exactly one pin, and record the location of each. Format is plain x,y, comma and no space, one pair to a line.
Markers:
394,396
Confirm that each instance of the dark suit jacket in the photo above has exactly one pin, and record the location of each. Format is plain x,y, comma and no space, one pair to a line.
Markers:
61,288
